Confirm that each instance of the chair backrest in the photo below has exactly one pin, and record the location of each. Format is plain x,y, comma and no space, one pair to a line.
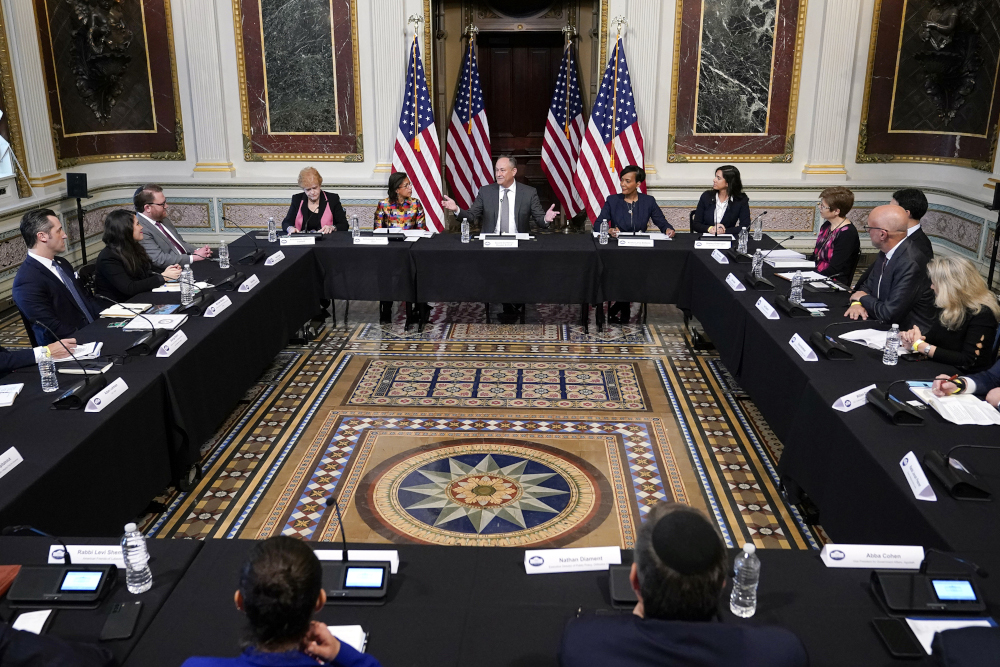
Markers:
29,329
996,344
87,273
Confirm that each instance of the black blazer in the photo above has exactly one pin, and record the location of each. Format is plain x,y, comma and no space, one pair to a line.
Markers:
333,200
11,359
967,347
904,296
737,213
43,297
626,640
113,281
24,649
923,243
487,206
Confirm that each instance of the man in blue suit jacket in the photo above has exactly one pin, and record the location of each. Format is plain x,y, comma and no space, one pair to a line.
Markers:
46,289
678,576
985,383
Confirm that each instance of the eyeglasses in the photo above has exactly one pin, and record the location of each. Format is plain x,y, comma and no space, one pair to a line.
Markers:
162,203
824,208
869,228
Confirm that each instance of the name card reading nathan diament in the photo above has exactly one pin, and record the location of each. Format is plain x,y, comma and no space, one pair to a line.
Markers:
547,561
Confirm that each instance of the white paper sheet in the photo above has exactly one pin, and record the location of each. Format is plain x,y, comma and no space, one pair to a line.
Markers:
964,409
925,628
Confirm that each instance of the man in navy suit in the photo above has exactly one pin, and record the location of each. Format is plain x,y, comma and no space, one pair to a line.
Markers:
985,384
678,576
46,289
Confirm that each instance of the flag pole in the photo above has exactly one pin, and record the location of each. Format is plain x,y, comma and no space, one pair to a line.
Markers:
619,22
569,32
471,30
415,20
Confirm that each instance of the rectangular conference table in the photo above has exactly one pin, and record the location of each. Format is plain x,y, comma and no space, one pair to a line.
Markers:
90,473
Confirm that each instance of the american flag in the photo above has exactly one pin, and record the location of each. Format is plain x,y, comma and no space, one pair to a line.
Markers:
563,132
417,152
613,139
469,166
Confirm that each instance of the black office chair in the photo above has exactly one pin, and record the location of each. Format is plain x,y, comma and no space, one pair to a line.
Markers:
87,275
28,329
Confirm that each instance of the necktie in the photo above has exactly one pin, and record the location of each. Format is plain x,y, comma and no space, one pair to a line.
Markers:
170,238
505,212
71,286
885,260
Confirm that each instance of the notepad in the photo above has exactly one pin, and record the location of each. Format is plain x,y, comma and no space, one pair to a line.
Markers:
126,309
964,409
872,338
350,634
168,322
83,352
8,392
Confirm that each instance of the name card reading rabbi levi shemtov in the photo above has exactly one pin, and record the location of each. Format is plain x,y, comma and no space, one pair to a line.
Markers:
547,561
875,556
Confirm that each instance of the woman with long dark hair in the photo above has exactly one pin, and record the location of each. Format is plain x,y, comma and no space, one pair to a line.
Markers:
725,208
123,268
399,209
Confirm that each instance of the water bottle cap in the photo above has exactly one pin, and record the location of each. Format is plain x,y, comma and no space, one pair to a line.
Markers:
130,528
749,548
187,266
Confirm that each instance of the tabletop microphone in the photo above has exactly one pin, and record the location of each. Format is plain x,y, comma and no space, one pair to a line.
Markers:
80,392
146,343
960,482
251,257
899,412
763,284
978,570
14,530
830,347
343,535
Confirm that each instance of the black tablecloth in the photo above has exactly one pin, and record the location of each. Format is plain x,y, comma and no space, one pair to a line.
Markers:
364,272
450,604
645,275
169,560
552,268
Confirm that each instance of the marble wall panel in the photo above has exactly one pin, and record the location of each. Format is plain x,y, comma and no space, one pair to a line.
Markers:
300,93
931,92
735,79
780,216
111,80
940,222
255,214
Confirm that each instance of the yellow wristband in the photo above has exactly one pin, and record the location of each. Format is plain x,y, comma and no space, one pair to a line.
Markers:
916,345
48,352
855,303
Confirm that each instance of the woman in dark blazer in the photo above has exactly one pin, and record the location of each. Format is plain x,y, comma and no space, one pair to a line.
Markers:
313,209
725,208
123,268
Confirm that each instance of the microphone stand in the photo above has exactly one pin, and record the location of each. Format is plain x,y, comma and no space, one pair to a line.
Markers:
80,392
762,284
14,530
147,343
899,412
961,484
830,347
251,257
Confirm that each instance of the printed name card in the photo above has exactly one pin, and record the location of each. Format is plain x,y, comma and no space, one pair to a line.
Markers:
295,239
9,460
877,556
106,396
218,307
735,283
274,259
710,245
371,240
88,554
378,555
719,257
634,243
249,283
803,348
849,402
547,561
916,478
171,344
766,308
500,243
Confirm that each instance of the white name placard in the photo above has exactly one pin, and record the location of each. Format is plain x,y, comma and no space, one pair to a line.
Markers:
547,561
379,555
218,307
710,245
88,554
274,259
803,348
295,239
249,283
719,257
371,240
916,478
171,344
635,243
735,283
849,402
877,556
9,460
500,243
106,396
766,308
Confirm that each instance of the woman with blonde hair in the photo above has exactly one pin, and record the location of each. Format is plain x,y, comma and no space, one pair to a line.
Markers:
964,331
313,209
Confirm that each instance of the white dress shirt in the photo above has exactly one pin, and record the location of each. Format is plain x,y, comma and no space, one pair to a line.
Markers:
911,230
720,208
510,209
166,232
48,264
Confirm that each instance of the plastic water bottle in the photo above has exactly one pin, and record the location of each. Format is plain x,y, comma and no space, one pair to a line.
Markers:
796,295
758,229
746,576
757,267
272,231
744,239
603,239
890,355
223,256
465,230
355,227
138,578
187,285
47,369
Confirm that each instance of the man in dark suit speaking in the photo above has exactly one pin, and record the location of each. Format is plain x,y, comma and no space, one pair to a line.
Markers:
678,576
505,207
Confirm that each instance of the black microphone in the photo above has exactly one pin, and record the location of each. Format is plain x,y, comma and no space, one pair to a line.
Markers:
978,570
763,284
14,530
80,392
343,534
830,347
899,412
146,343
251,257
960,482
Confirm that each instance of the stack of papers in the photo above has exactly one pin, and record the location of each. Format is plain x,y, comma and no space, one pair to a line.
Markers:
8,392
126,309
84,352
872,338
350,634
168,322
807,276
963,409
176,287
